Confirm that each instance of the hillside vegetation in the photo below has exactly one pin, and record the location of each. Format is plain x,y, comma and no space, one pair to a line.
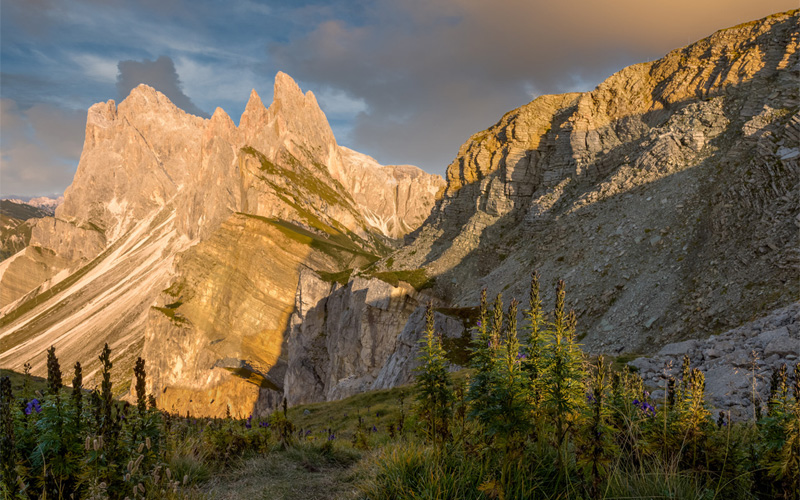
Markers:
532,418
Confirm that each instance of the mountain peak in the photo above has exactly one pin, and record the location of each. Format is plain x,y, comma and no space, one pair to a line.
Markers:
286,89
253,113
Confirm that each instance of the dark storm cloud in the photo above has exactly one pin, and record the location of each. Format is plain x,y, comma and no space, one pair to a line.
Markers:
159,74
432,73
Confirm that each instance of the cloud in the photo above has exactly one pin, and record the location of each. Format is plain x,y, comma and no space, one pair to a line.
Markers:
159,74
103,69
40,148
432,73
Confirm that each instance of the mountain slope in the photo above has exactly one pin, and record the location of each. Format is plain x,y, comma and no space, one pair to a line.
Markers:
165,201
666,198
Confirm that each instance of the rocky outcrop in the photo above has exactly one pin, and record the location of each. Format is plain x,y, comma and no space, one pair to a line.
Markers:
347,339
181,239
395,199
664,197
737,364
17,219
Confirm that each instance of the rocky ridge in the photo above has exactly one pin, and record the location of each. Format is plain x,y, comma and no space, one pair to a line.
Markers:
186,232
17,219
666,198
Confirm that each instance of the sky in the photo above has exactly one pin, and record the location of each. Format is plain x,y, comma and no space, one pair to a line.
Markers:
405,81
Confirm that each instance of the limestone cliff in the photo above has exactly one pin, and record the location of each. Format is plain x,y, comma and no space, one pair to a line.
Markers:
666,198
404,202
182,239
347,339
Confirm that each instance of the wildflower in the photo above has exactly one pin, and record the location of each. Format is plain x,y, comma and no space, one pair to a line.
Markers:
33,405
635,402
247,423
331,437
521,356
589,397
308,433
374,429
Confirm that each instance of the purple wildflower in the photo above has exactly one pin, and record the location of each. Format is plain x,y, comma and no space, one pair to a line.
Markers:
33,405
331,437
247,423
374,429
521,356
479,323
589,397
308,433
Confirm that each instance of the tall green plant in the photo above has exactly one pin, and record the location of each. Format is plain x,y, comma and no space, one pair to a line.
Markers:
694,419
8,451
534,361
596,444
563,375
434,393
508,406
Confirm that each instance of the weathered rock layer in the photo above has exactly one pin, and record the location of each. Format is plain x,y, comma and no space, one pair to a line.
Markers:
182,239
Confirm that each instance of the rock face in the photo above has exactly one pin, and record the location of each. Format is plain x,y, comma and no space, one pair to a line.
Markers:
181,239
358,337
17,219
245,262
404,200
666,197
733,362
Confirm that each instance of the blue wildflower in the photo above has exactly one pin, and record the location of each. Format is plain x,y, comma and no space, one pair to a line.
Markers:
33,405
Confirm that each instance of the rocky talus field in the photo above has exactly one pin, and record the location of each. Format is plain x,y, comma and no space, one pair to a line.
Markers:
247,263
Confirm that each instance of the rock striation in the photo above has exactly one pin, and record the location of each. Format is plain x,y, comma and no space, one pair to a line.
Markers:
251,262
666,198
405,202
182,239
